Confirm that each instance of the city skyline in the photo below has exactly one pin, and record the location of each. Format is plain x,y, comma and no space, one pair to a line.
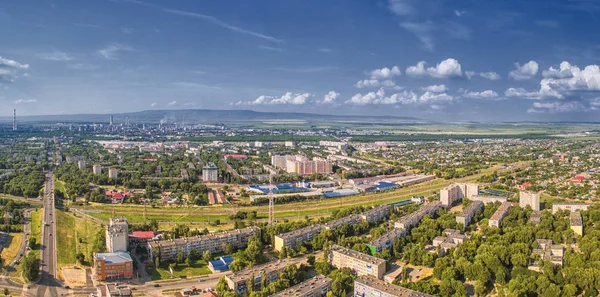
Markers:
447,61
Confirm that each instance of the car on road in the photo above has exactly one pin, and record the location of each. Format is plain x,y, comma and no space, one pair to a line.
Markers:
67,287
156,285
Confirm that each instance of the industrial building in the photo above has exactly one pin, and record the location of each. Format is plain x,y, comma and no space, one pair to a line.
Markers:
576,223
214,242
529,198
238,281
410,220
290,239
117,235
361,264
317,286
498,216
210,173
468,213
112,266
569,206
368,286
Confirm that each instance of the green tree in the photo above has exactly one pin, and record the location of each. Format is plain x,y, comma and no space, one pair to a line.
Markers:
31,267
80,258
207,256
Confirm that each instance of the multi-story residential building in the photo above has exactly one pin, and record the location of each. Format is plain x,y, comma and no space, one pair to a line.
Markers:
81,164
386,240
301,165
368,286
456,192
577,223
210,173
317,286
361,264
489,198
279,161
113,173
547,251
117,235
529,198
351,219
97,169
376,214
499,215
290,239
450,240
410,220
214,242
569,206
112,266
468,212
535,217
239,281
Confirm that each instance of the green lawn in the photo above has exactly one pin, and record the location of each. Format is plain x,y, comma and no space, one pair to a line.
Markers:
59,185
74,235
36,228
200,267
11,248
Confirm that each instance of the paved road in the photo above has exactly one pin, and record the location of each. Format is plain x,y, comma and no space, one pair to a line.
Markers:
49,285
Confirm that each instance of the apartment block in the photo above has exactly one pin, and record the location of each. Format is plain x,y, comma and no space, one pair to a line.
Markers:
376,214
386,240
97,169
408,221
467,214
279,161
489,198
368,286
547,251
317,286
290,239
239,281
456,192
112,266
351,219
529,198
535,217
301,165
113,173
214,242
117,235
81,164
577,223
361,264
210,173
569,206
498,216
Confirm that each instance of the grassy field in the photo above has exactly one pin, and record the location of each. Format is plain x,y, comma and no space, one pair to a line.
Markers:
11,248
74,235
200,267
36,228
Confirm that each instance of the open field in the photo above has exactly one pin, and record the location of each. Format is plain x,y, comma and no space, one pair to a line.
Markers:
200,267
32,201
74,235
11,248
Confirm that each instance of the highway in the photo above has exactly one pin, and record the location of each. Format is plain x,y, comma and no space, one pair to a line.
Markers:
49,285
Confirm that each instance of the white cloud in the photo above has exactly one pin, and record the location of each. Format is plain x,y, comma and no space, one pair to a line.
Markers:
429,97
111,51
445,69
486,75
423,31
12,63
55,56
459,12
405,97
288,98
373,83
172,103
153,104
10,69
436,88
24,101
330,97
555,107
527,71
487,94
401,7
522,93
563,71
385,73
270,48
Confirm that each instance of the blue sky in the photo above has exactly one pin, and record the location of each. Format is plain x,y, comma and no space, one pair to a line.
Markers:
443,60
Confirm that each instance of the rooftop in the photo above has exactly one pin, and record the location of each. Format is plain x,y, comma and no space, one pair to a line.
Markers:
501,211
473,207
388,288
113,258
305,287
576,219
357,255
301,231
257,270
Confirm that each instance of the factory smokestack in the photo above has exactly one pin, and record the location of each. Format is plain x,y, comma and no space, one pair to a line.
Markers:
14,120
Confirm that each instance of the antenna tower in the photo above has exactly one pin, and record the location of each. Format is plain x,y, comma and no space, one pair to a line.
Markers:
271,204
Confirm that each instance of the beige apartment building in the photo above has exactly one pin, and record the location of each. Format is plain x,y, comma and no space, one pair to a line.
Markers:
368,286
529,198
361,264
500,214
290,239
468,213
317,286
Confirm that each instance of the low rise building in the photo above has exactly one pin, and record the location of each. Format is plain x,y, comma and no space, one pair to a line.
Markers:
112,266
290,239
239,281
449,240
535,217
361,264
569,206
167,250
410,220
577,223
113,290
368,286
547,251
468,213
529,198
498,216
317,286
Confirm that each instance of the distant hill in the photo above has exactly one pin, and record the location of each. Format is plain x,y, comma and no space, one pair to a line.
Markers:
208,116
